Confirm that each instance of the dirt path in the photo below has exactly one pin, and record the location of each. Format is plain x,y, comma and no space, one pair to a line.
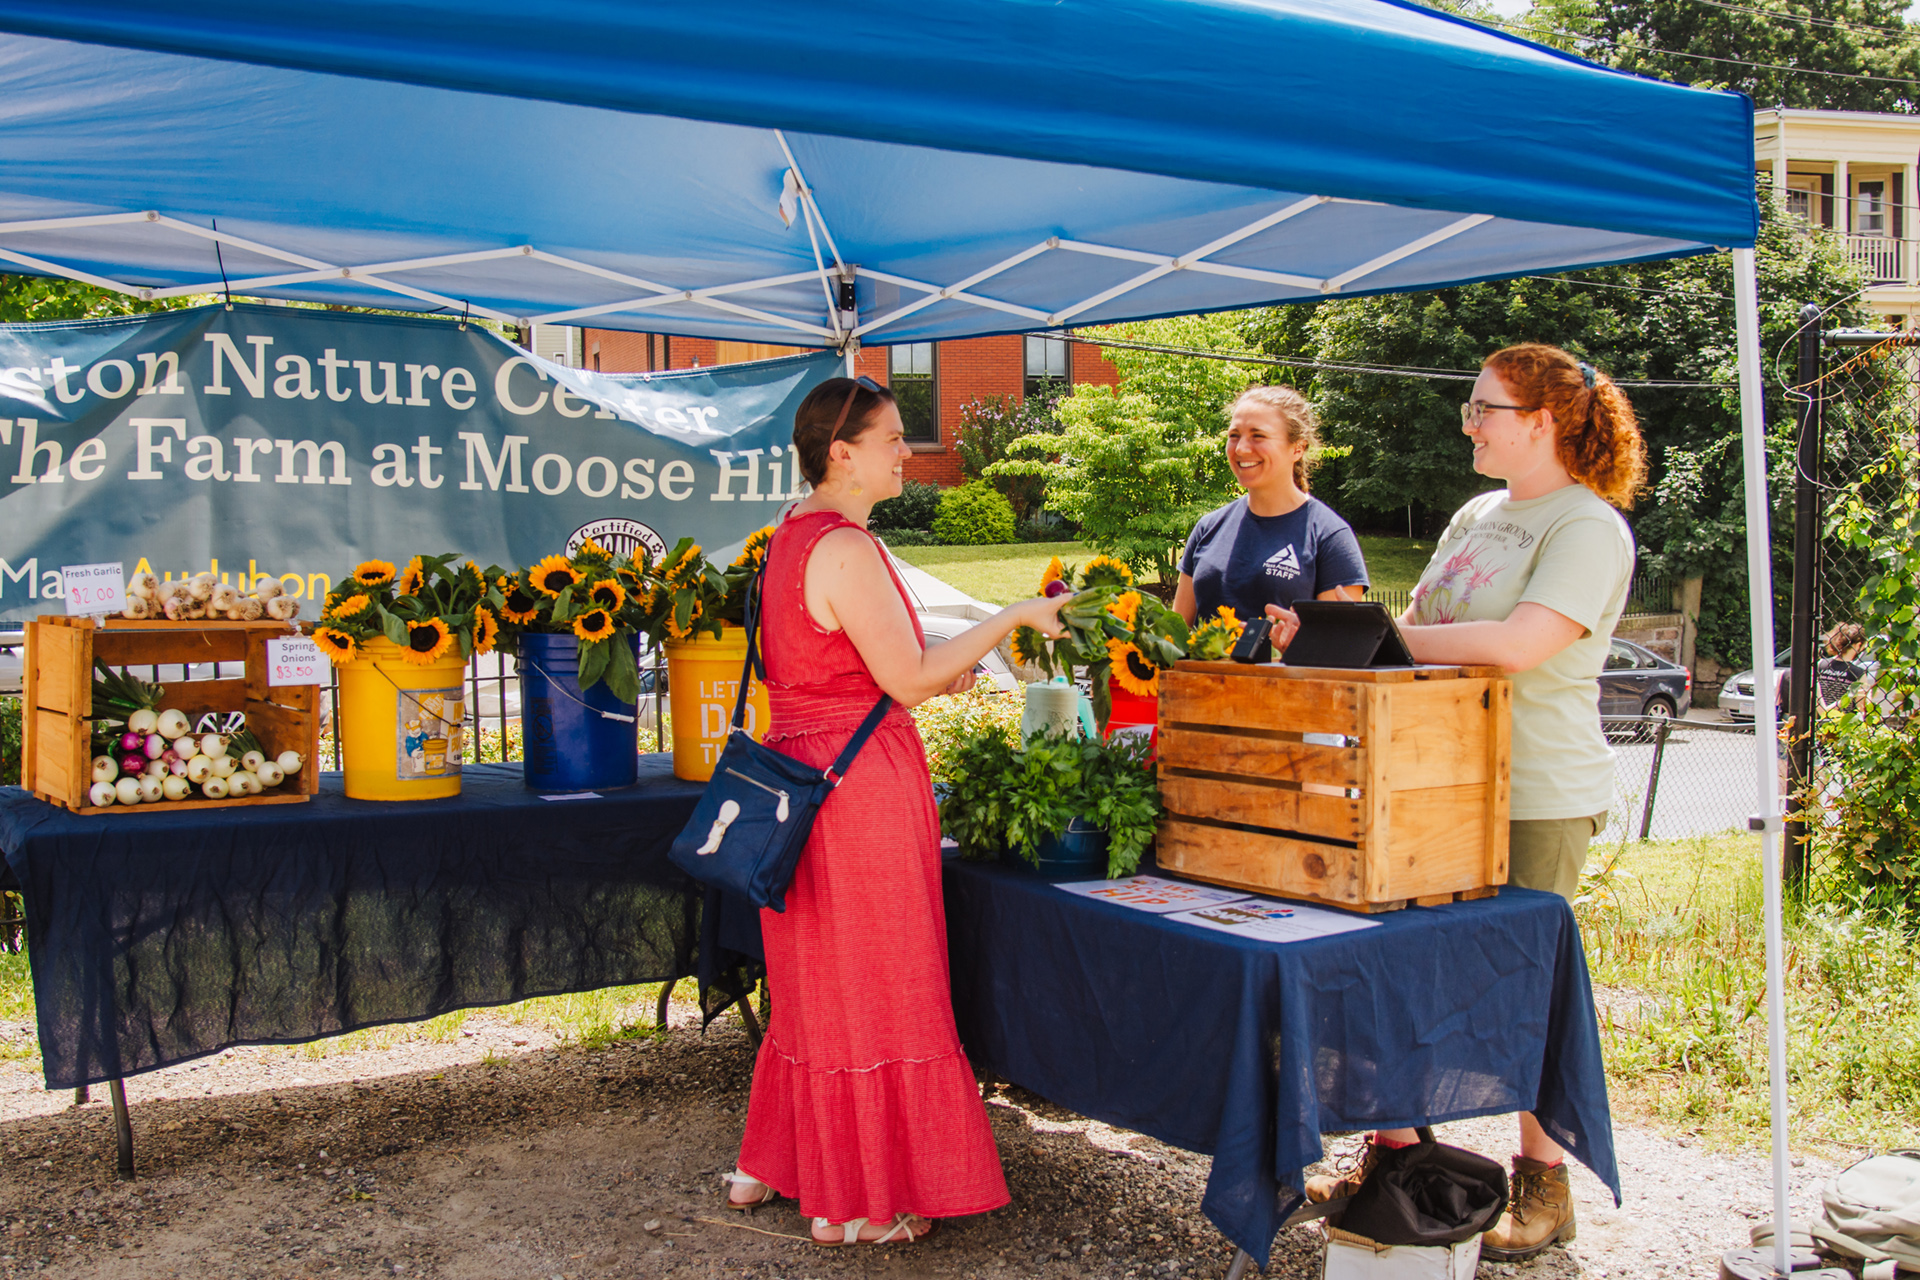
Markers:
503,1155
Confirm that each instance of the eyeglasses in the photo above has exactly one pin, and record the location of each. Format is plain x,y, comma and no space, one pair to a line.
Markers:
1474,412
846,405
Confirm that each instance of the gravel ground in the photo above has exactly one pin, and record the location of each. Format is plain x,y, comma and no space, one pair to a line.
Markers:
505,1155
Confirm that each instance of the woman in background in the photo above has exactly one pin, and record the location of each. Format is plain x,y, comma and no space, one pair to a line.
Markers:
1277,543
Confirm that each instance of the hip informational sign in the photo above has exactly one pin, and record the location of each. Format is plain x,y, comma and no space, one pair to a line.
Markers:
291,443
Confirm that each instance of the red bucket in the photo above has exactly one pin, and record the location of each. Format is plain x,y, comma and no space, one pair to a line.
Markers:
1132,711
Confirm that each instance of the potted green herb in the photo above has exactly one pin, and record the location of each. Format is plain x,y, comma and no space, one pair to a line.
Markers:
1065,806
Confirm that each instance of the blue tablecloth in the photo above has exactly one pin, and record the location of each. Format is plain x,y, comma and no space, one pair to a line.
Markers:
1249,1051
157,937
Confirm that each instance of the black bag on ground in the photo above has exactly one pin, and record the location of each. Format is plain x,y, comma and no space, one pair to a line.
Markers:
752,823
1426,1194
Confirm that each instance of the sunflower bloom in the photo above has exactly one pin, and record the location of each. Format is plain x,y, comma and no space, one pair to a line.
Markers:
607,594
486,629
1107,567
554,575
686,568
1126,607
426,641
412,578
629,578
1132,671
336,644
1056,572
594,625
755,551
592,548
353,604
1029,647
673,623
521,605
373,573
476,579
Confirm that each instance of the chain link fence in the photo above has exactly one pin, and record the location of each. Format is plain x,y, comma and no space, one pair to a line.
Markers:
1864,402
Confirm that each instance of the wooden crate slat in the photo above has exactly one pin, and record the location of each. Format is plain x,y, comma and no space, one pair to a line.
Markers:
1219,752
1438,843
1428,748
144,648
1336,817
1259,862
1213,698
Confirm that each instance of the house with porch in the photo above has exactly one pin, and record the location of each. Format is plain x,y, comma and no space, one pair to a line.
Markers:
1853,173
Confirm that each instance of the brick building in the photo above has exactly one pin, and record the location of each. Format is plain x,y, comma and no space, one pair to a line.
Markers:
934,381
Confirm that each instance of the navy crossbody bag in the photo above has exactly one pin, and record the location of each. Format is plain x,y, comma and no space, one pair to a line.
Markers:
751,825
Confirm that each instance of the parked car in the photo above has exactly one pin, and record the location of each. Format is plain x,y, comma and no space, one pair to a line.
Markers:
990,670
1736,695
13,650
1639,682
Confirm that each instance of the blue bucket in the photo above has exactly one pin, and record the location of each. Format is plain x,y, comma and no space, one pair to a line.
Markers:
1078,853
568,745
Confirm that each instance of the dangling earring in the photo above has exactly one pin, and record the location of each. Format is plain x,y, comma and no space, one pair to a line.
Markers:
853,488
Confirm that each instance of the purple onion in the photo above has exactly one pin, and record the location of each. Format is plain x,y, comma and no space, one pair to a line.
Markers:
155,746
131,742
177,766
134,763
1058,587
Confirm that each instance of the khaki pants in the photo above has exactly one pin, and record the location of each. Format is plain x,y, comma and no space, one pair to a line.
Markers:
1547,853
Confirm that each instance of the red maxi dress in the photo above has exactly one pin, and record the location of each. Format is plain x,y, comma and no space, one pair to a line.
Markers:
863,1104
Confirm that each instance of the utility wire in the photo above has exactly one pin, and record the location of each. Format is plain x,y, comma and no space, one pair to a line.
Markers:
1836,24
1384,371
1651,51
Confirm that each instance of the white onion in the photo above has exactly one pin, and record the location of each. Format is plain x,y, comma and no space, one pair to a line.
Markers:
252,761
270,774
142,721
244,783
105,769
225,766
178,768
290,762
214,788
175,787
150,790
156,746
213,745
173,723
155,769
127,790
103,794
199,769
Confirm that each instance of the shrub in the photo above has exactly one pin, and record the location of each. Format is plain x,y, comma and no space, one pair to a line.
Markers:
9,742
909,538
973,514
987,427
915,508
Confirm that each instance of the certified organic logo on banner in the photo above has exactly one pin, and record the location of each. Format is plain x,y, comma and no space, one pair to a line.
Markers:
621,537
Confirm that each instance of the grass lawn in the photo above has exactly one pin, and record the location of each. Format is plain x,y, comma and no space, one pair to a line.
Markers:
1004,574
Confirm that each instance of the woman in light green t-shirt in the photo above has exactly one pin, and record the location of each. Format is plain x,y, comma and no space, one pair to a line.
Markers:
1532,578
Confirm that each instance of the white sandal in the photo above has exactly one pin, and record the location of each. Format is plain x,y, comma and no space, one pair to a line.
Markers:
900,1232
737,1179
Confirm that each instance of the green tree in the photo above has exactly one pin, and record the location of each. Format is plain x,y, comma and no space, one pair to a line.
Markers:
1134,476
28,298
1662,322
991,424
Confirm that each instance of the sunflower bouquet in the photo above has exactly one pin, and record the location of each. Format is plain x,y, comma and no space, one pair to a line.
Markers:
597,596
688,595
1213,639
425,609
1113,631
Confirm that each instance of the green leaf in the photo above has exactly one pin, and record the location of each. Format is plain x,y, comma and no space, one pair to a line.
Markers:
392,626
593,662
623,676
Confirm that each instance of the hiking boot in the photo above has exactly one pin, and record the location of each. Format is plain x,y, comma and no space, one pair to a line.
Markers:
1539,1213
1351,1171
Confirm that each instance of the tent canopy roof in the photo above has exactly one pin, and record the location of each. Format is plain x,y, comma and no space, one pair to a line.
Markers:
979,165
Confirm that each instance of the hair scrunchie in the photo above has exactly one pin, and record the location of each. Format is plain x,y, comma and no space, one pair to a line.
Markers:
1586,373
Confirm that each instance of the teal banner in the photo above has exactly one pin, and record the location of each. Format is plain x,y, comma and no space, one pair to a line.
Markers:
291,443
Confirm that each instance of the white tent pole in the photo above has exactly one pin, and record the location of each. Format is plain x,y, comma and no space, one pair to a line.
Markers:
1753,432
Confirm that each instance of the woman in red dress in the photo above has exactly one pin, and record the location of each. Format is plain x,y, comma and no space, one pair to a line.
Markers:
864,1107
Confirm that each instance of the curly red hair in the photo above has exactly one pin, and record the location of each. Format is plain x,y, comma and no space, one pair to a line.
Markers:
1599,440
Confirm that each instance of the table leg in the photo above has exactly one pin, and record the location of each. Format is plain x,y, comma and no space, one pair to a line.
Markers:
666,994
1239,1268
753,1023
122,1128
81,1097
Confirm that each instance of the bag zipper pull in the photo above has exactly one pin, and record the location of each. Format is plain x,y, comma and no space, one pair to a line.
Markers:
779,813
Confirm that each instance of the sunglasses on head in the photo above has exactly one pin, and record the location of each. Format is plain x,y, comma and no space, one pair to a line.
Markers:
846,406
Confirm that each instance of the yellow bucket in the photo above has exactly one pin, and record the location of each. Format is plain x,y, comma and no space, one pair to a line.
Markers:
703,680
402,725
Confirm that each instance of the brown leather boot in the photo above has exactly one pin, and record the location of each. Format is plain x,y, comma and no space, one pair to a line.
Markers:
1342,1183
1539,1213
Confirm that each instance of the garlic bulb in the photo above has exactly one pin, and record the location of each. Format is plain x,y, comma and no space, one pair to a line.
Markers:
143,585
251,610
268,588
201,586
136,607
283,608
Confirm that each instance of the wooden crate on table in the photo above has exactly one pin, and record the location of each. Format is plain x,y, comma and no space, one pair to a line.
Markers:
56,759
1411,807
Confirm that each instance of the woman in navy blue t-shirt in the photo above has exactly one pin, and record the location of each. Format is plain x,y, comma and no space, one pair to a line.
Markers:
1277,544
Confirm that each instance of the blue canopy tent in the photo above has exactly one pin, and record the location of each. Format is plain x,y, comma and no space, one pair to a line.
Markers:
830,174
